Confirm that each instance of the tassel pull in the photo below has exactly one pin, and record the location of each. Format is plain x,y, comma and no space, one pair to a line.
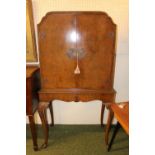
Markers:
77,70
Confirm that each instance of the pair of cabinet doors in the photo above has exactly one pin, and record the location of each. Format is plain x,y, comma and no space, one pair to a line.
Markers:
63,35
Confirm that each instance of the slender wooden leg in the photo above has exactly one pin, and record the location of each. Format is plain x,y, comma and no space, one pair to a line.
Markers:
33,132
110,118
102,113
114,135
42,114
51,111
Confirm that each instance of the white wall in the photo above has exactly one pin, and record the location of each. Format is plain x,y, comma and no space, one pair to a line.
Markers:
89,113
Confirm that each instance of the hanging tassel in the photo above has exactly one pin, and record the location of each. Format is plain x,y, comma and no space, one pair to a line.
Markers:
77,70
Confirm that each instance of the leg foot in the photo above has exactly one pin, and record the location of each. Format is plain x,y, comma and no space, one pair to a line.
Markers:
110,118
114,135
42,114
33,133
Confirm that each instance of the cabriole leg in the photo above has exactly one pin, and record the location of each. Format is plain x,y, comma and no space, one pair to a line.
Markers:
102,114
42,114
51,112
110,118
33,132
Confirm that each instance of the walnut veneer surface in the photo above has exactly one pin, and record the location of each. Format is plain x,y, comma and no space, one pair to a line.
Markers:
93,33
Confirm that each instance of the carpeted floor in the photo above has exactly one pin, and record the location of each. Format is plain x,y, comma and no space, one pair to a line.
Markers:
78,140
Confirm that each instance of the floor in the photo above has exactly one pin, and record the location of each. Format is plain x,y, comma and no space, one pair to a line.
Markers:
78,140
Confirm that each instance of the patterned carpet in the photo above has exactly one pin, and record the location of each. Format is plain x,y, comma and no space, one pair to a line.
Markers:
78,140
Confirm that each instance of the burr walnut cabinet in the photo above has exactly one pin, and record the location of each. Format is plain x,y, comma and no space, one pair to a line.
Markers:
77,57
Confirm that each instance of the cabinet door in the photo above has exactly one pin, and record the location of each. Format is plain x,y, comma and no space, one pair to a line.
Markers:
56,37
92,35
97,39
